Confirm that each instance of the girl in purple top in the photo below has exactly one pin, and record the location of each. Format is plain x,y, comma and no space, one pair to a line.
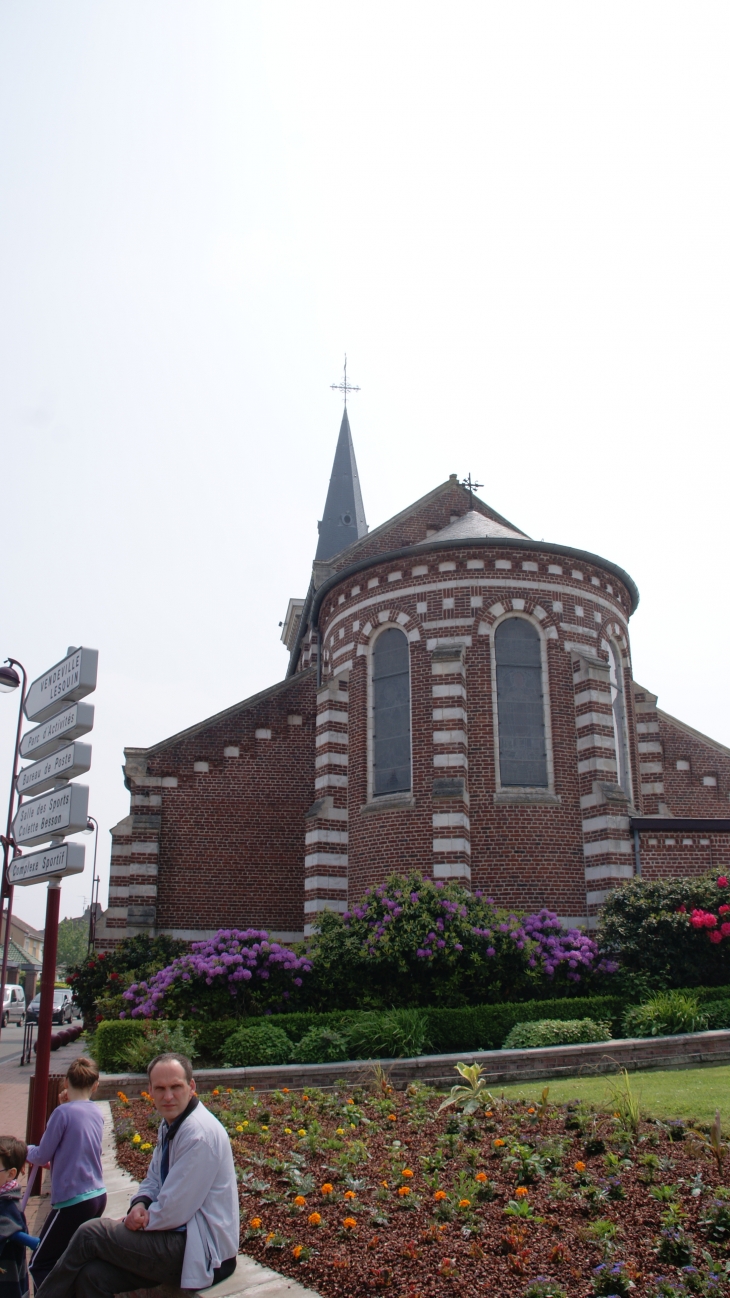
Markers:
71,1144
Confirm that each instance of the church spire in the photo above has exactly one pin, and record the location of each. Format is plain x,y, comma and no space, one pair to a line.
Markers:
344,514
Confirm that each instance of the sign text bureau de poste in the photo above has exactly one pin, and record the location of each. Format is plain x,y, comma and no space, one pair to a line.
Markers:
70,724
68,681
64,811
51,863
65,764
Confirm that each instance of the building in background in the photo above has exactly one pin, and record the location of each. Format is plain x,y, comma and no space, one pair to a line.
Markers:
459,701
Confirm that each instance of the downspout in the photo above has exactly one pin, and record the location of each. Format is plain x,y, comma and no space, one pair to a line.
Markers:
637,855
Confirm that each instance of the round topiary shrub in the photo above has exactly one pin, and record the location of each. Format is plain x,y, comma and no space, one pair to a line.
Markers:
261,1043
320,1046
556,1032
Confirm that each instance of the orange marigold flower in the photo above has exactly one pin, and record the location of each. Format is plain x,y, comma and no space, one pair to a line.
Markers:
305,1098
465,1203
480,1176
384,1184
531,1109
255,1223
439,1196
271,1235
215,1091
498,1143
522,1191
406,1172
488,1113
350,1194
314,1219
327,1188
297,1251
285,1091
349,1223
392,1117
579,1166
300,1201
404,1190
121,1096
229,1090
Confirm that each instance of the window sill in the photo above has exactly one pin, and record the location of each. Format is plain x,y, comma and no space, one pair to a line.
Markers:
395,802
527,798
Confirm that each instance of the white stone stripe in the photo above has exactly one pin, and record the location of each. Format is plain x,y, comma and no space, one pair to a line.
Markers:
450,759
324,903
331,737
650,746
593,719
453,691
606,822
617,871
452,845
343,667
330,781
596,764
595,741
334,881
331,759
451,870
344,649
606,845
325,858
332,714
452,819
326,836
449,737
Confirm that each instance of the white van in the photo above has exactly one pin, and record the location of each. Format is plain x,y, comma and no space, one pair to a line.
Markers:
14,1004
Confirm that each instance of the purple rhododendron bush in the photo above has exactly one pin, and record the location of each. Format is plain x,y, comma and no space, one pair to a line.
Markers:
410,942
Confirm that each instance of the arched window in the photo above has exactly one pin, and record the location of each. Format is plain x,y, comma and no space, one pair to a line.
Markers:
618,706
391,714
520,709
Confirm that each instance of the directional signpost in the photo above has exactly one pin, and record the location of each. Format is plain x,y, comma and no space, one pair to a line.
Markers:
59,810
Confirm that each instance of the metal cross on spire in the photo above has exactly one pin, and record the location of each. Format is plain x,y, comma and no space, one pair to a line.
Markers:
344,386
471,488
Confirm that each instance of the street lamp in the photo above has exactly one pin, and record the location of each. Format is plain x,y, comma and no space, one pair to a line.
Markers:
10,680
92,827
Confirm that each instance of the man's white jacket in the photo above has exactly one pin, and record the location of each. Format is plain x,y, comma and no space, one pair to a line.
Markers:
199,1192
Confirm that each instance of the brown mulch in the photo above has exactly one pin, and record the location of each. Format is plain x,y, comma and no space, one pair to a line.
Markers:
453,1231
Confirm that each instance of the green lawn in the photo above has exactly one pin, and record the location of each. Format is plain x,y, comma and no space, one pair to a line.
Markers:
692,1094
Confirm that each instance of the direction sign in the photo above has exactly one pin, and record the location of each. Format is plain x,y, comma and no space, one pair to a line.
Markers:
65,811
72,723
65,764
71,679
52,863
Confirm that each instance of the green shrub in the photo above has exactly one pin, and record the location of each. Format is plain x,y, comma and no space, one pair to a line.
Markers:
646,926
665,1015
261,1043
156,1041
110,1041
211,1037
484,1027
556,1032
717,1013
321,1046
389,1035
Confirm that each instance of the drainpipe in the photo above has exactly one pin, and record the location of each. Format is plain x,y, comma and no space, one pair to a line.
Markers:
637,855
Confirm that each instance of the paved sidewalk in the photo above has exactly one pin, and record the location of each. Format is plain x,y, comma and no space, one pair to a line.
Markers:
250,1279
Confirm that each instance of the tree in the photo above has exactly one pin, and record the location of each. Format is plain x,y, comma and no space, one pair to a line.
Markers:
73,940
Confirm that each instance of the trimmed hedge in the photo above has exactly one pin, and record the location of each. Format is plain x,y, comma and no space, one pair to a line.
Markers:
555,1032
111,1040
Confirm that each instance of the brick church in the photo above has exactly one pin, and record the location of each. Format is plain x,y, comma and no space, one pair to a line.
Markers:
459,700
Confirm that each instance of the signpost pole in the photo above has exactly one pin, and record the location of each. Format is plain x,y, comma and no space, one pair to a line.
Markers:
45,1019
6,890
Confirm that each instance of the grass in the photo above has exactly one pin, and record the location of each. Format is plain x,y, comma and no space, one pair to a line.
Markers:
692,1094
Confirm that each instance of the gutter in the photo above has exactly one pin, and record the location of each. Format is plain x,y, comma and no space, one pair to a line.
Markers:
680,824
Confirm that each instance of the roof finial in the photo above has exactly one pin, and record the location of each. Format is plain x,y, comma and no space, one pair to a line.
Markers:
344,386
471,488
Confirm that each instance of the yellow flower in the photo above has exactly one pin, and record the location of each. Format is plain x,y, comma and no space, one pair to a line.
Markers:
439,1196
465,1203
146,1145
297,1251
136,1138
340,1131
239,1127
264,1128
245,1122
349,1223
300,1201
287,1131
352,1124
314,1219
579,1166
384,1184
406,1172
522,1192
404,1190
350,1194
327,1188
480,1176
255,1223
301,1132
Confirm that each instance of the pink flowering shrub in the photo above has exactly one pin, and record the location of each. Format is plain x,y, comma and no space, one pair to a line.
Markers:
235,973
673,932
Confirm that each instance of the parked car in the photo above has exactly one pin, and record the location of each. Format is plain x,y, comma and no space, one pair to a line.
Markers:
13,1004
62,1008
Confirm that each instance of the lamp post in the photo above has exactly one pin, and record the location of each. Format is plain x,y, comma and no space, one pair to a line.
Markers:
92,827
10,680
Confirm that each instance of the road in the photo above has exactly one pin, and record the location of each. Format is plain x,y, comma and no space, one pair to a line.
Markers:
11,1042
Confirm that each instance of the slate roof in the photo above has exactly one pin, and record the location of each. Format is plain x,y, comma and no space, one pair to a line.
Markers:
474,524
343,521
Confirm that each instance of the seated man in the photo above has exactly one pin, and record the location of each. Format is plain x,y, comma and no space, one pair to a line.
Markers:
182,1227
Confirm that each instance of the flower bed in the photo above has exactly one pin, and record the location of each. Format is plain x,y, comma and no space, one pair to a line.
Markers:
365,1190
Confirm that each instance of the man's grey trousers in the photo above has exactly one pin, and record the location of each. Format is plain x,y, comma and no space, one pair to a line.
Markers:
105,1258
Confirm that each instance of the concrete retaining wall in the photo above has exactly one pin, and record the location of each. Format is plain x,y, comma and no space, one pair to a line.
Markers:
500,1066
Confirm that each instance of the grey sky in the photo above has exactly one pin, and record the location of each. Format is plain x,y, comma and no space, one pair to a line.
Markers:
513,216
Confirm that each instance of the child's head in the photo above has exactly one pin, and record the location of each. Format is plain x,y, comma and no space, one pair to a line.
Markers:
83,1074
13,1154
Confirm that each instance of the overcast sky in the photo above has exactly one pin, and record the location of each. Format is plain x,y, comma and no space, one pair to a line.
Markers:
512,216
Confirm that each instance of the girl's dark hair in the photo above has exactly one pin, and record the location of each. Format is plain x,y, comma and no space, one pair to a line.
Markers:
13,1153
83,1073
